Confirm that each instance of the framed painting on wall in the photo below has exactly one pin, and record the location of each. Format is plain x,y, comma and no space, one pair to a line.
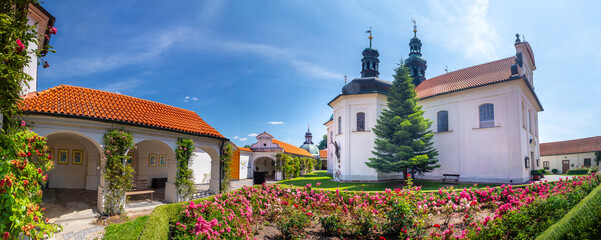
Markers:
162,160
77,157
152,160
63,156
129,159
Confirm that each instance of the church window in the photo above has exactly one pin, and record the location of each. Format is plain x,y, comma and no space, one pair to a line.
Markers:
360,121
443,121
530,120
339,125
487,115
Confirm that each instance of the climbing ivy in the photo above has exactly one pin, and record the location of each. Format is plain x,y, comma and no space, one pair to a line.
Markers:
117,174
226,166
292,167
184,180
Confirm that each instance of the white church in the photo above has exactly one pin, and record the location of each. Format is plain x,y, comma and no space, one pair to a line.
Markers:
485,119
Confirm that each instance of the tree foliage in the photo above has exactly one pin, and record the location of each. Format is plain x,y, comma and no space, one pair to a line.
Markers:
323,144
403,139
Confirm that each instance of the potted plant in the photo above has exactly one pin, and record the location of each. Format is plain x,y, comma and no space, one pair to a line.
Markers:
535,174
542,173
554,171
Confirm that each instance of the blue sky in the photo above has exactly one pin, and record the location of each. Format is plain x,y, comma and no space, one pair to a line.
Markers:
251,66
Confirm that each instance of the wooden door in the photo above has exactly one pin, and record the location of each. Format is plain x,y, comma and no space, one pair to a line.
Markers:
235,169
565,166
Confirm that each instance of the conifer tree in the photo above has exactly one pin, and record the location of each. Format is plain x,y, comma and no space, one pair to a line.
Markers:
403,136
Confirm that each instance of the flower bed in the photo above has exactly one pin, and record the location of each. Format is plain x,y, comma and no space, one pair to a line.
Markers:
392,214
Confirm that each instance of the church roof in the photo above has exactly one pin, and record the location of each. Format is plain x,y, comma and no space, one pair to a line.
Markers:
311,148
470,77
79,102
591,144
288,148
323,153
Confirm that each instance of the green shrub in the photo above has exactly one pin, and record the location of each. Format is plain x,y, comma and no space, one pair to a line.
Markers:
581,222
542,171
364,224
293,225
577,171
157,225
593,169
554,171
535,173
333,225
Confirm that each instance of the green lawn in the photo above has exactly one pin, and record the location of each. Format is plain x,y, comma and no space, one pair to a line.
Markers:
328,184
128,230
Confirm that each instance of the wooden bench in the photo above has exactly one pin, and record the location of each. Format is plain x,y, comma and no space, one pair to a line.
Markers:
141,188
445,176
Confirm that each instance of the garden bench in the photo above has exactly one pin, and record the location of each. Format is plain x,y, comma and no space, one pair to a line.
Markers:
141,188
446,175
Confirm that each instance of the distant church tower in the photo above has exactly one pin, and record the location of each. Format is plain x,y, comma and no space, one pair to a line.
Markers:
370,60
308,144
416,63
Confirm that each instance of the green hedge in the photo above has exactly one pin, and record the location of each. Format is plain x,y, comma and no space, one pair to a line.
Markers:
581,222
577,171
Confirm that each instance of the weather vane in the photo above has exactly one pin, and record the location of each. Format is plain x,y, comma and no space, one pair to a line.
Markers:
345,76
414,27
370,37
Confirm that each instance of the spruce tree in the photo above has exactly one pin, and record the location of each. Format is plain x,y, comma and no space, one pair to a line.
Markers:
403,136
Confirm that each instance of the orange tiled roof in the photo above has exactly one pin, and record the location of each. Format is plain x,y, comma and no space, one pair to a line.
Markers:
582,145
323,153
106,106
292,149
245,149
474,76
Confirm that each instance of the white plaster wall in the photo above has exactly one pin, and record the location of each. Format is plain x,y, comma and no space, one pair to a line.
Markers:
32,67
201,166
576,160
331,158
143,170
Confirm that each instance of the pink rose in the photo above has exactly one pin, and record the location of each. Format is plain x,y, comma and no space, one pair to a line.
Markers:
22,123
20,46
46,65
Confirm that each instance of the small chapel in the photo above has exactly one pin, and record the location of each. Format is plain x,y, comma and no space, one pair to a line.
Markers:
484,118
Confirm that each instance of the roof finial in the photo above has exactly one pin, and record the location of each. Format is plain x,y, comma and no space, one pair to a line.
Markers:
345,76
370,37
414,27
517,38
446,69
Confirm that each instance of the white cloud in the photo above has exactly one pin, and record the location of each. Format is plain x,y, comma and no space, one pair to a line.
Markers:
121,86
243,139
465,27
195,99
236,137
252,135
275,122
187,97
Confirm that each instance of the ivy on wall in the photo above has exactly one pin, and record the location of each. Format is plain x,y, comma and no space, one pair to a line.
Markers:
292,167
226,166
184,180
117,174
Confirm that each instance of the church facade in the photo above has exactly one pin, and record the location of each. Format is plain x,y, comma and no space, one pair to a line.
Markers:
484,119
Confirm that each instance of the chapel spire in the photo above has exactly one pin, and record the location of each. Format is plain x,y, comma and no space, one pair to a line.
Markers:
416,64
308,136
370,61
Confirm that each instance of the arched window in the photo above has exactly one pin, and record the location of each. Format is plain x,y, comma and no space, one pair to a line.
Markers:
339,125
443,121
487,115
360,121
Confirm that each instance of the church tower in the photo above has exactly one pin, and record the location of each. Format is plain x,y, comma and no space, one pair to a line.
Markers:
416,63
370,61
308,137
308,144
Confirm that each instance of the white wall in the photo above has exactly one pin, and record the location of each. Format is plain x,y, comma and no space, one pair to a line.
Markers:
331,158
245,168
201,166
85,176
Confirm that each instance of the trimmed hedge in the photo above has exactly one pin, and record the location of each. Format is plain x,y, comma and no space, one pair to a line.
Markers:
581,222
577,171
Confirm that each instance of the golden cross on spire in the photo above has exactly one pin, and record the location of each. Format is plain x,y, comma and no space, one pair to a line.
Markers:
414,27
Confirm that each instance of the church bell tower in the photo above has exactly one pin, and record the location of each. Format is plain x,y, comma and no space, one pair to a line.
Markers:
370,61
416,63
